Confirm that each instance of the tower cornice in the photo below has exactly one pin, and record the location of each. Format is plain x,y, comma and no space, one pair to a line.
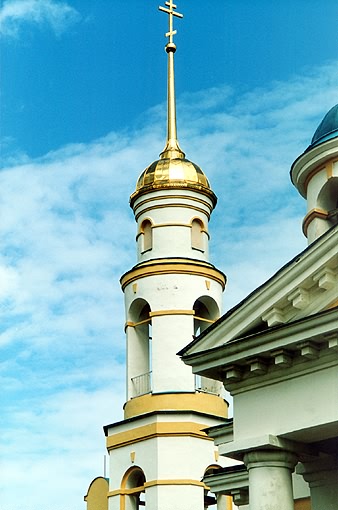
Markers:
173,266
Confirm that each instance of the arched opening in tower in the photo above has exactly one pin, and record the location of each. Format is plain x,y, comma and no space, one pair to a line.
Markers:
328,200
206,312
134,481
139,349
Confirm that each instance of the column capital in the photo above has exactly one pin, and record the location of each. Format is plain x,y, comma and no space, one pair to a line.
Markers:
320,472
270,458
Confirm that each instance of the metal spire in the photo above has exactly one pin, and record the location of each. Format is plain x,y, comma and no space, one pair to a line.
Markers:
172,149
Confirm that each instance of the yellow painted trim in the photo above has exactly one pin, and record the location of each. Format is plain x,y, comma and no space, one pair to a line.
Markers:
134,324
126,492
174,197
160,313
183,481
166,206
328,167
205,320
303,504
172,224
154,483
158,429
161,268
313,172
311,215
333,305
194,402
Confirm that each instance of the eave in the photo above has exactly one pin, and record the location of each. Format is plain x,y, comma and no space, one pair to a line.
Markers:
278,346
304,286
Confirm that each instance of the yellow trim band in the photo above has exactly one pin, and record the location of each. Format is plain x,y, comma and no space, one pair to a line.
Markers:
160,313
160,429
165,206
173,197
161,268
328,167
311,215
194,402
154,483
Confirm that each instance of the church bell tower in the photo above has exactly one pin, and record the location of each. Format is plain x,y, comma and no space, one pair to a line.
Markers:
160,452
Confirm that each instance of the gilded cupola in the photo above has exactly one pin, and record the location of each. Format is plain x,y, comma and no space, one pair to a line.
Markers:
172,170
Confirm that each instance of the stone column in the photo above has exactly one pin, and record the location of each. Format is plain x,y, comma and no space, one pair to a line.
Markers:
270,481
221,502
322,477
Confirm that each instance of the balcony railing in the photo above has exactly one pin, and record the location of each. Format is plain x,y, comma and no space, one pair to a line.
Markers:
142,384
205,385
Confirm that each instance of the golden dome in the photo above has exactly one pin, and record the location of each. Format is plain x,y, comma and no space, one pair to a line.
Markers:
169,173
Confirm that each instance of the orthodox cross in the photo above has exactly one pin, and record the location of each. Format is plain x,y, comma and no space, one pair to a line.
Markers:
170,10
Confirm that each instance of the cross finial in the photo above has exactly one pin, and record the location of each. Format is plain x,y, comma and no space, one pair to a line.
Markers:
172,149
170,10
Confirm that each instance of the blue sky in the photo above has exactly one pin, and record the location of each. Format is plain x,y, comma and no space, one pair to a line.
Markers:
82,114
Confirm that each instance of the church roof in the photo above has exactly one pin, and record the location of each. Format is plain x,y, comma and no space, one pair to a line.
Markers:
327,129
277,293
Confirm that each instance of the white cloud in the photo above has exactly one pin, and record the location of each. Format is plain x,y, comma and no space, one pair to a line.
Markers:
14,14
67,235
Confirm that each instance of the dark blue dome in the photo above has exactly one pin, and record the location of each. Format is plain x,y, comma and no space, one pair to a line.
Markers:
328,128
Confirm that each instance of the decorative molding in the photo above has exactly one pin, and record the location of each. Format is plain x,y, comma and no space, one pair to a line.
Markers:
273,316
171,224
233,373
311,215
169,267
299,298
166,206
282,358
153,483
174,197
205,403
156,430
309,350
258,366
325,278
160,313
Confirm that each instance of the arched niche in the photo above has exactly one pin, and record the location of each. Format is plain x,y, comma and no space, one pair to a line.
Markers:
145,236
197,235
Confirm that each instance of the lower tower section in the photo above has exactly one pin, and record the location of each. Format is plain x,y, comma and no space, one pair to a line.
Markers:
160,453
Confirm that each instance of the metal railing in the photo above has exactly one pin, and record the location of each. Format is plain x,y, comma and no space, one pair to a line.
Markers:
142,384
205,385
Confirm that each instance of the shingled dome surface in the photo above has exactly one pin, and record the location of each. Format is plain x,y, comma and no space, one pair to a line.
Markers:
328,128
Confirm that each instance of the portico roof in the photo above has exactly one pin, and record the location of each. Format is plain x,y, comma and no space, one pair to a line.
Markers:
305,286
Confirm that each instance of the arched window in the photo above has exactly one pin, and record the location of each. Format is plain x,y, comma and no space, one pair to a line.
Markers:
146,236
139,353
206,312
134,480
328,199
211,501
197,235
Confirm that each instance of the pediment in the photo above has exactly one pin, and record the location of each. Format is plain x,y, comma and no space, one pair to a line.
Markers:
305,286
